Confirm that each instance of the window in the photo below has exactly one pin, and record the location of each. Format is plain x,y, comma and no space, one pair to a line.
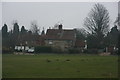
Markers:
50,42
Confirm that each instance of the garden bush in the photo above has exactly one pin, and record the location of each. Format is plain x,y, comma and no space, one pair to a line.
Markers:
43,49
7,50
74,50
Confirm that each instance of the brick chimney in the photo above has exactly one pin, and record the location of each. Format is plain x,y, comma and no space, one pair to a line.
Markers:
60,27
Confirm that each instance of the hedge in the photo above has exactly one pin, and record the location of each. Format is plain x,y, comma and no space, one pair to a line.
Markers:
43,49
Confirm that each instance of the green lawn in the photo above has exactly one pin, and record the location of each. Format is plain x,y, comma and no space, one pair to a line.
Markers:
79,66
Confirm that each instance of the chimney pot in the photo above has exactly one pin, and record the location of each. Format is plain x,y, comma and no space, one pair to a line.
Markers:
60,27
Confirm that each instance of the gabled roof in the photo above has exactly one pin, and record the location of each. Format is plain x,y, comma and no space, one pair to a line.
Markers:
57,34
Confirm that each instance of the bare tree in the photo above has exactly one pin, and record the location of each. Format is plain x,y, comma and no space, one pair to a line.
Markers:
35,31
117,21
97,21
97,24
34,27
81,33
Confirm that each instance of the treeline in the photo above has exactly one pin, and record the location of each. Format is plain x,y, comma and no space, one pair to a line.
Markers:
18,36
110,40
27,37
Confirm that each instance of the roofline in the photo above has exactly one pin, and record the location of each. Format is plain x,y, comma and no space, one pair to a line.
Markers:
59,39
62,29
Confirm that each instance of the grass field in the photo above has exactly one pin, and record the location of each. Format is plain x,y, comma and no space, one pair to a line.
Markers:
59,66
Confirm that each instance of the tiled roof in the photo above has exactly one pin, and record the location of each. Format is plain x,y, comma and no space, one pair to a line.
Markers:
58,34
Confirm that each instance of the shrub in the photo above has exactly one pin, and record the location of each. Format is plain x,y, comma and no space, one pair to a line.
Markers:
43,49
7,50
74,50
91,51
57,50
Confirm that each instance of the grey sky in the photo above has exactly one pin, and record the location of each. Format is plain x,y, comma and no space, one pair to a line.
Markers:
47,14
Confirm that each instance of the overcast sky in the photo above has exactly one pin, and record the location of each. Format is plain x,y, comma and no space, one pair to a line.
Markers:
47,14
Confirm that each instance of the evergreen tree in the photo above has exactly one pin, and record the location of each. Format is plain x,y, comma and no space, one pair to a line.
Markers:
4,31
16,35
23,30
16,28
113,36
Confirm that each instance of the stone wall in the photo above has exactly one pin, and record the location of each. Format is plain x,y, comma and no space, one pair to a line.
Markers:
62,45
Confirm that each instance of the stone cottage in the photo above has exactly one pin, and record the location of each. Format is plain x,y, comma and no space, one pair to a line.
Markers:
60,38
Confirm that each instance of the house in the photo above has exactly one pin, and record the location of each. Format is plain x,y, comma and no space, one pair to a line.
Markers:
60,38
